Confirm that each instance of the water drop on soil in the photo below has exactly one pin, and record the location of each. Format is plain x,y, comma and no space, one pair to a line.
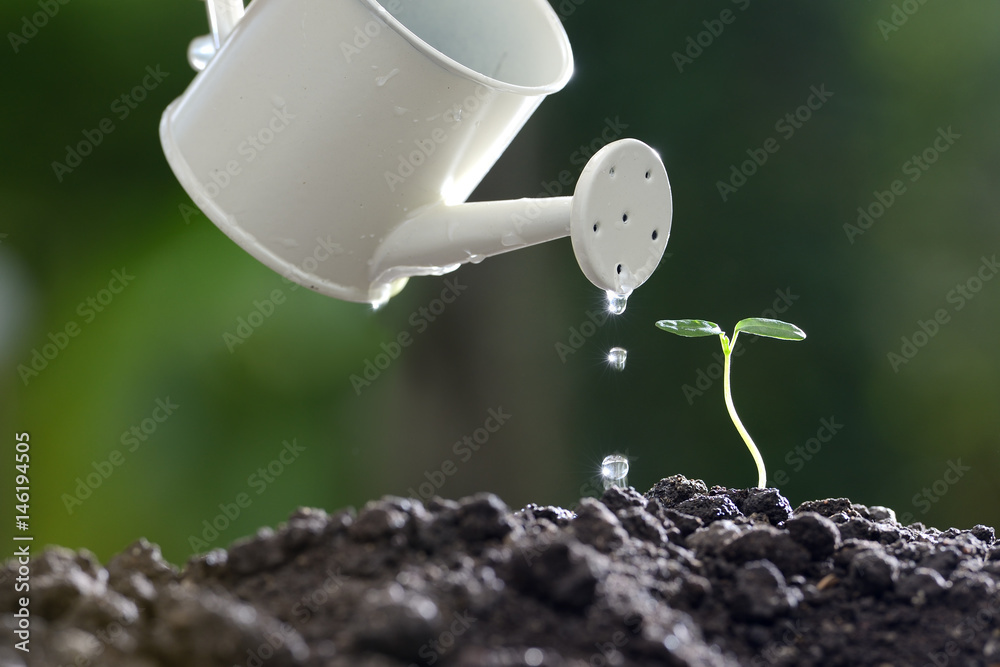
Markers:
614,471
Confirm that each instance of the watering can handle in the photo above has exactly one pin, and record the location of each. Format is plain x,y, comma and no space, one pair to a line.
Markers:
223,15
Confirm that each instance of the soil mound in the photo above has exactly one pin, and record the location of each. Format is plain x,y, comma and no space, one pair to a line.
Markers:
683,575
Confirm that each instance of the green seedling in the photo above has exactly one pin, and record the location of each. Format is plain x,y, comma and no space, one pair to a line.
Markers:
757,326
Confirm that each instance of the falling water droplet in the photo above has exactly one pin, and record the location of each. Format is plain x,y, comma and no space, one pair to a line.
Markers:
380,296
614,471
617,303
458,115
616,357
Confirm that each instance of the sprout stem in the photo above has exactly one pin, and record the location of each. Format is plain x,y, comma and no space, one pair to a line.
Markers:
727,349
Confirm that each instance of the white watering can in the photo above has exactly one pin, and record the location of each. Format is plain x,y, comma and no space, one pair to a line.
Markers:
336,141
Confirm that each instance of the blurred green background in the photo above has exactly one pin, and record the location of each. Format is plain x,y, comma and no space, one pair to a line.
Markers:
780,233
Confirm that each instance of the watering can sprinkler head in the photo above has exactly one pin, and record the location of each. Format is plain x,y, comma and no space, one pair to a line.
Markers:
338,150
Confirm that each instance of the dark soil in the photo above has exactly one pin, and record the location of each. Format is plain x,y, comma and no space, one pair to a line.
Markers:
684,575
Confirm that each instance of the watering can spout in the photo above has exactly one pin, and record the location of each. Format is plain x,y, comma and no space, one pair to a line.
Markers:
618,219
442,237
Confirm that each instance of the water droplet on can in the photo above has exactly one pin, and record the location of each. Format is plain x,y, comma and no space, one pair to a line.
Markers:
509,239
382,80
201,51
616,357
614,471
617,303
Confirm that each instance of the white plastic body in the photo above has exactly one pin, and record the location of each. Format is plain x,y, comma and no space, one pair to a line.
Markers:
223,15
335,140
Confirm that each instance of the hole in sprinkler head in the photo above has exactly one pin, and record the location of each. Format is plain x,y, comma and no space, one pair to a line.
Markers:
648,175
624,217
596,225
619,269
655,234
611,172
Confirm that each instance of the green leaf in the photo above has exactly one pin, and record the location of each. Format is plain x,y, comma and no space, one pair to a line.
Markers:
690,328
760,326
